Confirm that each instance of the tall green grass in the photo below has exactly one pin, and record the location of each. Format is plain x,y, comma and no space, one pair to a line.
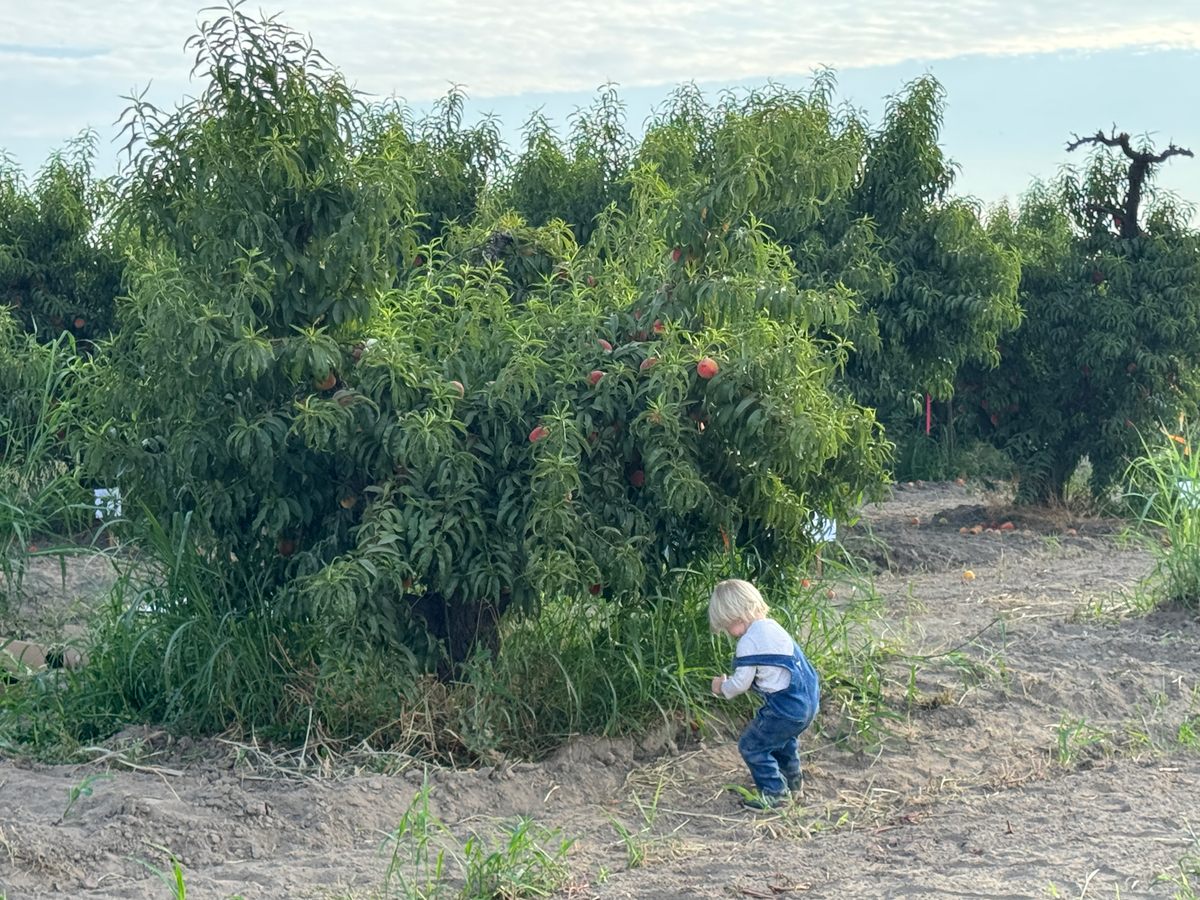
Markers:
194,645
585,667
946,453
1164,495
182,642
39,490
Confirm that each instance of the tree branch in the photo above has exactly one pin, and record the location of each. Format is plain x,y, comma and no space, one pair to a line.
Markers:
1140,161
1117,140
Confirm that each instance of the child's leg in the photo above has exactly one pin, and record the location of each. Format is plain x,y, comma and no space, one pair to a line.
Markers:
757,745
787,756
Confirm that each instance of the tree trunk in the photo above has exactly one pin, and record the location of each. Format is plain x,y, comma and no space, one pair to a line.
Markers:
462,627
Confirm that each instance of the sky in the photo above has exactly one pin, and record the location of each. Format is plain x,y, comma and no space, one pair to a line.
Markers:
1021,76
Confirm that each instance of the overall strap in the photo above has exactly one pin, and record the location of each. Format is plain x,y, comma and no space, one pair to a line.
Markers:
765,659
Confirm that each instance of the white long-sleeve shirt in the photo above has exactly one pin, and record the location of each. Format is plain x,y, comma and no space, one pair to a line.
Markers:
762,636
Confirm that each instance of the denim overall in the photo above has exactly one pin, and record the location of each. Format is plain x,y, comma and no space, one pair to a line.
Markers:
769,745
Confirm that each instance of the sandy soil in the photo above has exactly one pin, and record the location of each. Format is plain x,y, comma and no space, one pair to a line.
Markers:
1035,752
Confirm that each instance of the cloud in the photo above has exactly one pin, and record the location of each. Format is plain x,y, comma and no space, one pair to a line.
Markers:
415,50
498,49
62,52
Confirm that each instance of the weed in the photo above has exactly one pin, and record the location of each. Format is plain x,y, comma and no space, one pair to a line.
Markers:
80,791
428,863
639,844
417,865
527,863
1188,734
176,645
1164,494
635,843
1185,877
173,878
1075,735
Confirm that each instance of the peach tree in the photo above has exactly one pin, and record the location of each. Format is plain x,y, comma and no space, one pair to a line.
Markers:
868,220
417,449
60,264
1110,288
949,293
593,436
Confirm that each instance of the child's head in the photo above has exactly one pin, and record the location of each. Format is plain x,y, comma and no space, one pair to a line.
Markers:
733,601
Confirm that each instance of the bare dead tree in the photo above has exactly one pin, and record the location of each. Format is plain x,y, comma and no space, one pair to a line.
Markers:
1126,215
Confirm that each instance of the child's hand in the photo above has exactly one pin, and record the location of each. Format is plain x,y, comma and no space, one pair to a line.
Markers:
716,685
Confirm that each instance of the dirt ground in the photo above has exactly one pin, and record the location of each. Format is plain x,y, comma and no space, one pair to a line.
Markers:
1036,751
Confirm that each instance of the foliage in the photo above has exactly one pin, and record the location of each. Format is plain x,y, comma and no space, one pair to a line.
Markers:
783,162
166,648
914,282
1164,493
949,292
39,493
575,181
426,448
60,268
265,234
452,164
608,468
428,862
951,450
1107,347
581,667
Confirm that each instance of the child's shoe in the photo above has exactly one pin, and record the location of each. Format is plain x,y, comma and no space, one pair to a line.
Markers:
765,802
795,782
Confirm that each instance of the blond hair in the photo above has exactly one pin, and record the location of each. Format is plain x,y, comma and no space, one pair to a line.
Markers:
734,600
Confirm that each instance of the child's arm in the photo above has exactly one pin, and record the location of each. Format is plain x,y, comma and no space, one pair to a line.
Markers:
729,686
